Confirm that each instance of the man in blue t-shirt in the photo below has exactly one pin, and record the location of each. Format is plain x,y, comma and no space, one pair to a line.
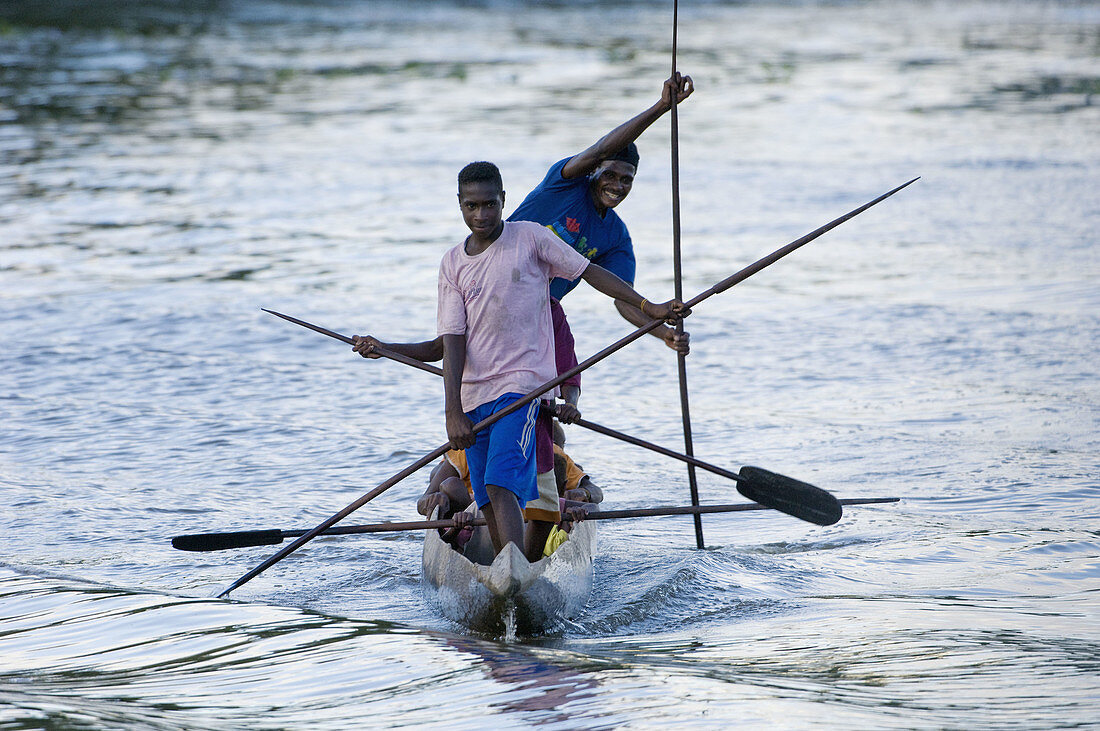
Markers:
576,198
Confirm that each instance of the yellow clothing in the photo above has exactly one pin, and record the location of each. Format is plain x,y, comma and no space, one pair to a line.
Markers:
573,473
457,459
554,540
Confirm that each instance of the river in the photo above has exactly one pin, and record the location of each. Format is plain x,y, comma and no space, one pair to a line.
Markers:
167,169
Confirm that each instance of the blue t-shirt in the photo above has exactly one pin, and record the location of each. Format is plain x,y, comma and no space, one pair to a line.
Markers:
565,207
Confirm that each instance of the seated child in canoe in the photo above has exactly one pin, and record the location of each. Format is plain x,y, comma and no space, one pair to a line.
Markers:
450,493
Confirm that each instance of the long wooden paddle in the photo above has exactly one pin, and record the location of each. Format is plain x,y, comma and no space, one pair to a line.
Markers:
561,378
275,536
794,497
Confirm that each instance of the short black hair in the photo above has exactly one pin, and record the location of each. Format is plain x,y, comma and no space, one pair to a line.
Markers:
628,154
480,172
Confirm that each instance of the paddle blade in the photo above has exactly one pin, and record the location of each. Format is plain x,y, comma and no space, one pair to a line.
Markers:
222,541
793,497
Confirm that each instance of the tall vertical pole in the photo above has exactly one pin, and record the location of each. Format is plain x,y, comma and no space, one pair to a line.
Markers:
681,359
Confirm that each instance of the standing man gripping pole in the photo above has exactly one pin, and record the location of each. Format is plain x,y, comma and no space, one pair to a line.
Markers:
493,316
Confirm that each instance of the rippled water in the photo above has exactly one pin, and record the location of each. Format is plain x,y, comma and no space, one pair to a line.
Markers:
165,171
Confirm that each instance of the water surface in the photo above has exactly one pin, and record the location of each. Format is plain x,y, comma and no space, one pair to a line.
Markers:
165,171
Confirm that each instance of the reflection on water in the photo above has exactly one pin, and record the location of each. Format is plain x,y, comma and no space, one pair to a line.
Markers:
166,169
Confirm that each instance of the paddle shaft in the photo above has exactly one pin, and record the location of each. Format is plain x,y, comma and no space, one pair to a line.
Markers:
274,536
689,459
561,378
678,279
703,509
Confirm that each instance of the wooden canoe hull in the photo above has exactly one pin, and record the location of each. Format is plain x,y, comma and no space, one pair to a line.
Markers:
511,595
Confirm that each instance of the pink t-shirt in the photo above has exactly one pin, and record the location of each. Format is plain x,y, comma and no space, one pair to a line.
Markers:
500,299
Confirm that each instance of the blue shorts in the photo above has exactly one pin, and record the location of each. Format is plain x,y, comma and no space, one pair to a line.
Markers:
504,454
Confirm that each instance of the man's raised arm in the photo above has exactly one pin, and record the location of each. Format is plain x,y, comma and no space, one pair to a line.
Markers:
585,162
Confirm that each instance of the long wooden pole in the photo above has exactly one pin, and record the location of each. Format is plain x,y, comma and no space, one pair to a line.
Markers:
609,350
681,358
767,261
275,536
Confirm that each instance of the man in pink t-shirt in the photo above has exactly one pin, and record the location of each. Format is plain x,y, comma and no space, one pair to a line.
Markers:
494,319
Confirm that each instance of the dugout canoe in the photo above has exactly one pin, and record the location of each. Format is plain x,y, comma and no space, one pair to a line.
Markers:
511,595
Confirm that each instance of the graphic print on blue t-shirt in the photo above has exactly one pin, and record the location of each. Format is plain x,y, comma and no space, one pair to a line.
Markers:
565,207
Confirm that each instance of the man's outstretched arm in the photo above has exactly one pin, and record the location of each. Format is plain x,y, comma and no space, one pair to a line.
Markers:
610,285
680,342
427,351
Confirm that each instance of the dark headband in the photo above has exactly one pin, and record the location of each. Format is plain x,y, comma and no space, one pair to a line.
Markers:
628,154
